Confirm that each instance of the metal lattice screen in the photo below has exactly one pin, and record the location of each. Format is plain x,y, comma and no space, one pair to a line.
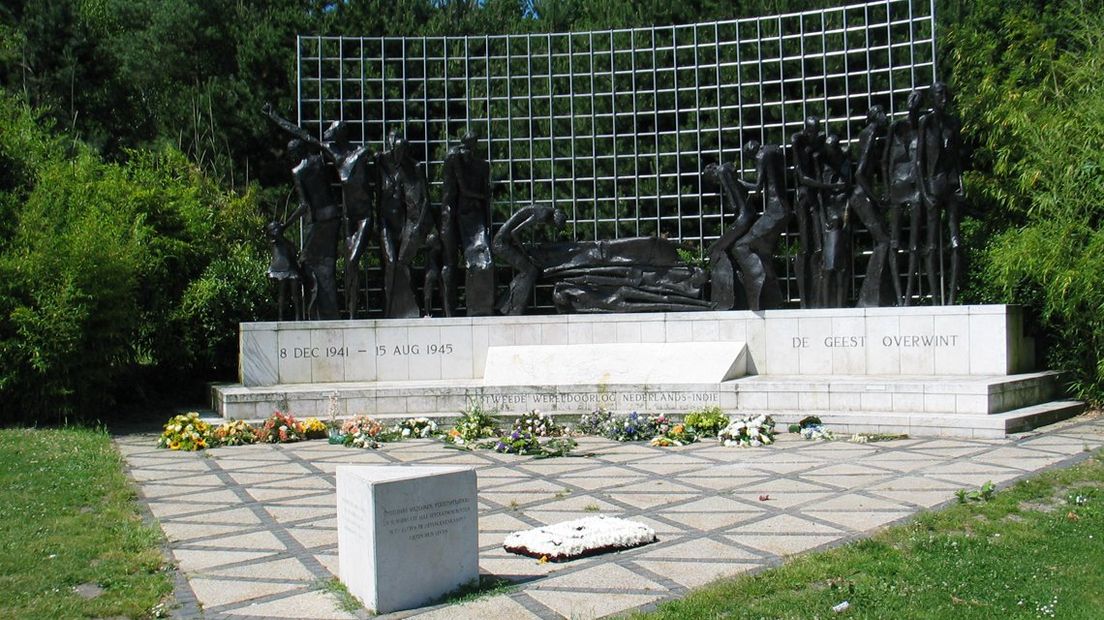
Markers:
614,127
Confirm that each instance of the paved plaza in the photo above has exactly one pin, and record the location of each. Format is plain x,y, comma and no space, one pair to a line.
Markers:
253,531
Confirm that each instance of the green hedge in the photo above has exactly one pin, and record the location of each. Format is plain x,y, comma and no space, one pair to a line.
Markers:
1032,100
110,271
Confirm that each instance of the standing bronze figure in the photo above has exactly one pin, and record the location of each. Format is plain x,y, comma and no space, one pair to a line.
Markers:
865,202
466,225
807,148
722,271
356,171
405,221
902,174
941,187
836,181
510,246
283,269
319,257
434,274
755,250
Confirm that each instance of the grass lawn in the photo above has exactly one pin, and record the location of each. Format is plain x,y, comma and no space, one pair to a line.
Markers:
68,519
1034,550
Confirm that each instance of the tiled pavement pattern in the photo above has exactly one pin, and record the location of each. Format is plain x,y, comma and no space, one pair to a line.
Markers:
253,528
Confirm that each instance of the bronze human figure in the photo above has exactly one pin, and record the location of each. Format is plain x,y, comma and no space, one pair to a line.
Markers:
638,274
434,276
807,147
283,269
510,246
836,183
356,170
722,271
941,188
405,221
319,256
465,225
865,201
755,250
902,174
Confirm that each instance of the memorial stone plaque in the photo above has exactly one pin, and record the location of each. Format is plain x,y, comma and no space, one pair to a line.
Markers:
406,535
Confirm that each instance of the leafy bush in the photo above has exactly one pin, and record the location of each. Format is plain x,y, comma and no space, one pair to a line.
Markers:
1034,107
112,270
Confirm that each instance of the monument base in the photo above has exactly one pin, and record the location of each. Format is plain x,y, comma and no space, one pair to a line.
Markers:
978,407
963,371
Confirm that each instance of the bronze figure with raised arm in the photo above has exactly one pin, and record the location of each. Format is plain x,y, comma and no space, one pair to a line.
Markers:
356,171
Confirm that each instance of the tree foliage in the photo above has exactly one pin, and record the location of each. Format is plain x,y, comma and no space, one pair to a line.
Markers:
105,272
1032,102
124,253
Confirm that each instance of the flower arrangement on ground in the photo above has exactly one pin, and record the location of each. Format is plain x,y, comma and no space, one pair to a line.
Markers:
185,432
235,433
313,428
706,422
473,425
816,432
595,422
873,437
677,435
518,442
538,424
812,429
581,537
750,431
416,428
527,443
361,431
280,427
636,427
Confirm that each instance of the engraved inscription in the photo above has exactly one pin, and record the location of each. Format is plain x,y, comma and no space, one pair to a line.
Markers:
857,342
589,400
404,350
920,341
300,353
427,520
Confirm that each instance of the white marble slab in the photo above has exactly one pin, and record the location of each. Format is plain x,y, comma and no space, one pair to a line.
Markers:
936,341
406,534
639,363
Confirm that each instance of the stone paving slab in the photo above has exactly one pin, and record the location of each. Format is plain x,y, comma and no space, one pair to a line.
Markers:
253,528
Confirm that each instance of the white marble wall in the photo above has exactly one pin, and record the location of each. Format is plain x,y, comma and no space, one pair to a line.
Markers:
944,340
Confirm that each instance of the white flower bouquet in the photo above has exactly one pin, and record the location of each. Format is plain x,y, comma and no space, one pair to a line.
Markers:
748,431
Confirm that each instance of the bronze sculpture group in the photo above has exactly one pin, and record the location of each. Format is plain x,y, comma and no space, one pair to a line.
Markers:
909,166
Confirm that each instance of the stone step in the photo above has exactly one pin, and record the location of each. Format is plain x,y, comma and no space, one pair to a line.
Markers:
429,398
900,394
959,406
974,426
992,426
